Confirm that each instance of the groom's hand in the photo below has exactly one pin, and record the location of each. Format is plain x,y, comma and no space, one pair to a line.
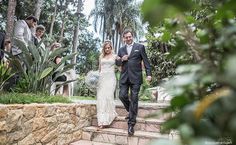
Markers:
118,61
124,58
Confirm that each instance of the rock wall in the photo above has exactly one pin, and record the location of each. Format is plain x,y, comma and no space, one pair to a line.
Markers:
43,124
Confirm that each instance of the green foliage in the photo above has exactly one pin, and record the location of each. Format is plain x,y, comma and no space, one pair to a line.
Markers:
162,65
5,74
19,98
35,66
156,10
3,14
88,53
144,93
21,86
203,90
82,89
87,58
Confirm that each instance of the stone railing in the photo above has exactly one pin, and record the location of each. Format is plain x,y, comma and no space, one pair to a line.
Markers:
43,124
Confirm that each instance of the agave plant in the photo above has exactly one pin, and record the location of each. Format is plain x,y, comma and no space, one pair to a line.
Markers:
35,67
5,74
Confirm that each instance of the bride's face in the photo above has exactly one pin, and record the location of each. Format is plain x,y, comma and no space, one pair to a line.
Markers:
107,49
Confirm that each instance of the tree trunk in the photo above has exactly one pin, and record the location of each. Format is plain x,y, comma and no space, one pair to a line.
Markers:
76,31
38,6
53,19
62,31
63,22
10,18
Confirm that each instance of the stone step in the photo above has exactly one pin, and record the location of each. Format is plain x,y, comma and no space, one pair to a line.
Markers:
119,136
87,142
148,124
145,109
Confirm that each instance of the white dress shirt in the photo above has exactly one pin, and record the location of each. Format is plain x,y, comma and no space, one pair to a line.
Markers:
129,48
23,33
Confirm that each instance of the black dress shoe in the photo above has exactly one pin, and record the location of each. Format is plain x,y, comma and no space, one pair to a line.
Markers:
130,130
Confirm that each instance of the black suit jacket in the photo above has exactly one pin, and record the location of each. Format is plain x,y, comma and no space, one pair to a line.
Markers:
132,68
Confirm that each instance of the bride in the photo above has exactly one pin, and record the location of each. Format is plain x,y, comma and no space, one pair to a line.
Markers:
106,86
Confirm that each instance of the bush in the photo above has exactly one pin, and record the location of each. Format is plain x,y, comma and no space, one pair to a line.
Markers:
204,90
35,67
23,98
5,74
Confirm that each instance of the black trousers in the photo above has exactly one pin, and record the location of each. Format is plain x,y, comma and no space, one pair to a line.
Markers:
130,103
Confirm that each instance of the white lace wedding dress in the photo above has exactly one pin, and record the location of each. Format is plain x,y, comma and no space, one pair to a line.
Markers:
105,93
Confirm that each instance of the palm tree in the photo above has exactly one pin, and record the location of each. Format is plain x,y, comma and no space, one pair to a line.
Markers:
103,13
128,16
113,16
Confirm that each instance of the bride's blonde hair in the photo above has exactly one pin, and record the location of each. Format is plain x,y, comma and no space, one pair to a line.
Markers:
106,42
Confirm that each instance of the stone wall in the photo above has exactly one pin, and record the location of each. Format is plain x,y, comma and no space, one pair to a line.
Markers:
43,124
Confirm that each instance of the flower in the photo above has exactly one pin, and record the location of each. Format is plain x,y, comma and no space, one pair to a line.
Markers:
91,80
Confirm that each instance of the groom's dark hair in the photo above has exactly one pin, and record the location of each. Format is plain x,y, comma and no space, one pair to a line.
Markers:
32,18
127,31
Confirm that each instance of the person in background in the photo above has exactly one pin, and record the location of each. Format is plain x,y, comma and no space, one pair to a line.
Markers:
40,30
23,31
106,86
2,38
12,80
7,47
130,58
61,78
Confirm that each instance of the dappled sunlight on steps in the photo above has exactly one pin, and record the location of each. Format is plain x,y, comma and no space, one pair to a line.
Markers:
147,129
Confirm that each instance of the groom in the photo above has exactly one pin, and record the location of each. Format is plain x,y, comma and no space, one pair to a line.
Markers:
130,58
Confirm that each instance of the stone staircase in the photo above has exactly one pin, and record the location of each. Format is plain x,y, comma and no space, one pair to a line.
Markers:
146,129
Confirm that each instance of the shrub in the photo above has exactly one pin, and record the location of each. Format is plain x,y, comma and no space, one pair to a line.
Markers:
35,67
27,98
5,74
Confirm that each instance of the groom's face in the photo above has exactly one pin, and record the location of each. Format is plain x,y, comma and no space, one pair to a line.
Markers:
128,38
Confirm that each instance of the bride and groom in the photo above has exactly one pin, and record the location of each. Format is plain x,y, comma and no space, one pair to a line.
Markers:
129,59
